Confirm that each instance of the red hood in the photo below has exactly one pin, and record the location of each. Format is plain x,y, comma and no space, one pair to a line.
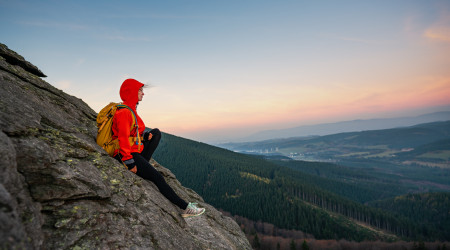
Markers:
129,92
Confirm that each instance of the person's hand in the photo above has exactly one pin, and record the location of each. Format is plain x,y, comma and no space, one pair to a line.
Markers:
133,169
149,136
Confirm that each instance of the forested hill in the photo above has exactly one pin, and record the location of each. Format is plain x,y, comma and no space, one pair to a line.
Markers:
394,138
431,209
328,208
424,144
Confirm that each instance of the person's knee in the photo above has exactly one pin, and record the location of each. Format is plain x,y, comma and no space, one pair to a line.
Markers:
156,133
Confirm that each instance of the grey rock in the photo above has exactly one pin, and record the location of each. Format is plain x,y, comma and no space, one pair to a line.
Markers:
15,59
60,190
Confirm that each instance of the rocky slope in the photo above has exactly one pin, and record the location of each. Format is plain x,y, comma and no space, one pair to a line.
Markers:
60,190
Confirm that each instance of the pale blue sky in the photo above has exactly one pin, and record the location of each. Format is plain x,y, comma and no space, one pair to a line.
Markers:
224,69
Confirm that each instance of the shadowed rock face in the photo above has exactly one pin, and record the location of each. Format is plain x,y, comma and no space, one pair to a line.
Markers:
59,189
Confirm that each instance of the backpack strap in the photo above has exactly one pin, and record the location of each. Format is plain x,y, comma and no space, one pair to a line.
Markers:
138,138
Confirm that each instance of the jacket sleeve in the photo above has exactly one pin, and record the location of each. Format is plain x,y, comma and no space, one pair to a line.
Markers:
123,118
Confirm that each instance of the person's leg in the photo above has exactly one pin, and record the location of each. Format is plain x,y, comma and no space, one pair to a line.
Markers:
189,209
148,172
151,145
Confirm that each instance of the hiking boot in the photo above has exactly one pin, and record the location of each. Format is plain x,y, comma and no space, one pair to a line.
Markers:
192,210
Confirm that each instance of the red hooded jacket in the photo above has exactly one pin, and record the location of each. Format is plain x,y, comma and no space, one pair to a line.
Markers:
123,119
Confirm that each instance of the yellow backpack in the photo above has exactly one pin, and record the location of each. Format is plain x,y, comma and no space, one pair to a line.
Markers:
104,124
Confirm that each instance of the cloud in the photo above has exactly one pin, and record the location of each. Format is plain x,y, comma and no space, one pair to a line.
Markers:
58,25
63,85
80,62
126,38
156,16
358,40
440,30
354,39
438,34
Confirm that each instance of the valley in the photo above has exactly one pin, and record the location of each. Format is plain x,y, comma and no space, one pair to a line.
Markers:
343,194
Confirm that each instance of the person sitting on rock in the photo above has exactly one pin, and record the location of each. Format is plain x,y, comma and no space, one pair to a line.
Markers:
137,157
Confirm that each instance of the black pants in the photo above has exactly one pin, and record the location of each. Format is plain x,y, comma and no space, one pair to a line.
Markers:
148,172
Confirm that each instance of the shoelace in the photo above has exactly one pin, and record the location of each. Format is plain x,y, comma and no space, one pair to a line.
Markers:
193,206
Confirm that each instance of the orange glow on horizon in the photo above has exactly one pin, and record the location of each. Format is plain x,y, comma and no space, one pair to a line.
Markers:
305,104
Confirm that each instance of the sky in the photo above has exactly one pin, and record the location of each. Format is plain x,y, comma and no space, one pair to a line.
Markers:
222,70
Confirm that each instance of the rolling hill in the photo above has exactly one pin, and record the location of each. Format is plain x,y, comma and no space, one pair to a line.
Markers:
348,126
387,145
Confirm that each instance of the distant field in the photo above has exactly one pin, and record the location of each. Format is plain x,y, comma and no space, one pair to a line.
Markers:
356,154
440,154
321,150
429,164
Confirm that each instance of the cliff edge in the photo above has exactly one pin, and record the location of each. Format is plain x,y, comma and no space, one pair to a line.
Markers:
60,190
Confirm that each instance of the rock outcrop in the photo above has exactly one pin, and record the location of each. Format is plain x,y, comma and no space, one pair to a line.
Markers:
60,190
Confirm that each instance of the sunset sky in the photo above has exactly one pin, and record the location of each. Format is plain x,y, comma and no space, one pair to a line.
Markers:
221,70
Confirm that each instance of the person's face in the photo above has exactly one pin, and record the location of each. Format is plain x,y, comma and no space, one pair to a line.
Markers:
140,94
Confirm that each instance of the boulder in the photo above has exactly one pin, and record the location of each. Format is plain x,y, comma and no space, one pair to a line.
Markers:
60,190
